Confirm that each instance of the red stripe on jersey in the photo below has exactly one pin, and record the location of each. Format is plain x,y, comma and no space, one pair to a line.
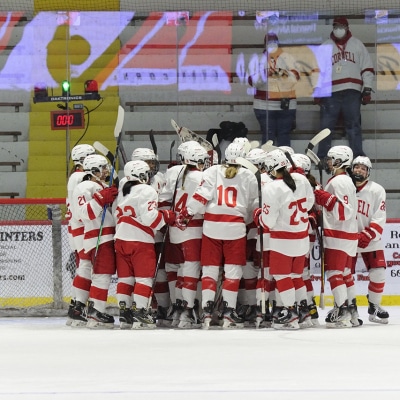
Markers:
195,223
157,221
340,211
107,230
136,224
200,199
340,234
377,227
78,231
222,218
164,204
289,235
91,214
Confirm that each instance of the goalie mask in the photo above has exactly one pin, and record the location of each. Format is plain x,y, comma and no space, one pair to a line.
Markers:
358,174
149,156
137,171
79,152
97,166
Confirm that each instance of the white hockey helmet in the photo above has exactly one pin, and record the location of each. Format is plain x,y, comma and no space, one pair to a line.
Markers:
182,148
233,151
244,142
341,156
275,160
302,161
137,170
257,157
148,155
196,155
287,149
361,160
95,164
80,151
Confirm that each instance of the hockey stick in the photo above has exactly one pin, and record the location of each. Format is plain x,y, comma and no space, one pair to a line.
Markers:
118,127
317,138
153,142
315,159
247,164
215,143
170,151
106,153
117,133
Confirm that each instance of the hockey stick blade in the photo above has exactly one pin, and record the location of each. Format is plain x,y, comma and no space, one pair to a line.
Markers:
318,137
313,157
247,164
254,144
104,150
153,142
120,121
268,146
170,151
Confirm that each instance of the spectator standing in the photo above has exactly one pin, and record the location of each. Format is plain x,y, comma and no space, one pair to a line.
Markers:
348,86
274,84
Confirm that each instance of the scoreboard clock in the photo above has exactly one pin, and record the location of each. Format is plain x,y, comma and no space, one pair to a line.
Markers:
67,119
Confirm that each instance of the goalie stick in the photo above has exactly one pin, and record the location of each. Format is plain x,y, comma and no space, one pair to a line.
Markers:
186,134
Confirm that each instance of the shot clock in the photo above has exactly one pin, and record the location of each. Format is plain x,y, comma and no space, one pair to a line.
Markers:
67,119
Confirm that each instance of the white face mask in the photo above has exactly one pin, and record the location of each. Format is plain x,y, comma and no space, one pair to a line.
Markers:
272,47
339,32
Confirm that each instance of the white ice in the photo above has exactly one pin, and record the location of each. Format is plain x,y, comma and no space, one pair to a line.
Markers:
43,359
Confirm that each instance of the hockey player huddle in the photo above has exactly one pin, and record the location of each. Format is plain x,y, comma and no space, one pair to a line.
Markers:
222,245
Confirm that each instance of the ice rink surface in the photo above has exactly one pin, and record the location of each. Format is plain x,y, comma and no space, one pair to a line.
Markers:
43,359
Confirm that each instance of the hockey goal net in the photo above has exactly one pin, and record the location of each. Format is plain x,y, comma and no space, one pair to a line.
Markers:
37,265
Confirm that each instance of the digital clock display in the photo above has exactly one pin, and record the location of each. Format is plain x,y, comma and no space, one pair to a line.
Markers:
68,119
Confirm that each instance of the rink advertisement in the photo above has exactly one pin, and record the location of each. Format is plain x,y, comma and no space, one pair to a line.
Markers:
27,270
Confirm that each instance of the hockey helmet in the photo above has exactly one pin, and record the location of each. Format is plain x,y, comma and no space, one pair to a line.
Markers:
233,151
361,160
80,151
137,170
96,164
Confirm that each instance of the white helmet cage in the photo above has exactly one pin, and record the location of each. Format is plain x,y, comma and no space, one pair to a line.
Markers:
257,157
275,159
233,151
145,154
341,156
96,163
302,161
80,151
137,171
361,160
195,154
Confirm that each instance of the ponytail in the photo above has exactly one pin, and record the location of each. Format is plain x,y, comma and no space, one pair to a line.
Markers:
231,170
287,178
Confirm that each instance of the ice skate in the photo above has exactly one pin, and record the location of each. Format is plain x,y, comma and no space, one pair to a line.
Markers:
312,309
69,320
377,314
125,316
189,319
206,318
355,318
230,318
176,312
339,317
78,315
263,321
304,315
164,317
286,318
97,319
142,319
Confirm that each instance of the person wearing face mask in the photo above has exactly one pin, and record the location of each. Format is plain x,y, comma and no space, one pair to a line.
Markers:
350,86
274,78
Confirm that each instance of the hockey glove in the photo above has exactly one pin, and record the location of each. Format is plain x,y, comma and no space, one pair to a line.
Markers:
313,219
169,216
366,96
106,196
256,216
365,237
325,199
183,219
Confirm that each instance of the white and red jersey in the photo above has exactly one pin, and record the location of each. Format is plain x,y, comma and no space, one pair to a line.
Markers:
227,204
265,180
183,182
352,67
340,224
285,215
89,211
157,182
75,226
137,216
371,212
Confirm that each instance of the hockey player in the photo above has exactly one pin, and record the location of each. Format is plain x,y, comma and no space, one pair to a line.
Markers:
226,197
371,218
284,213
183,249
137,220
302,161
89,201
340,237
75,226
